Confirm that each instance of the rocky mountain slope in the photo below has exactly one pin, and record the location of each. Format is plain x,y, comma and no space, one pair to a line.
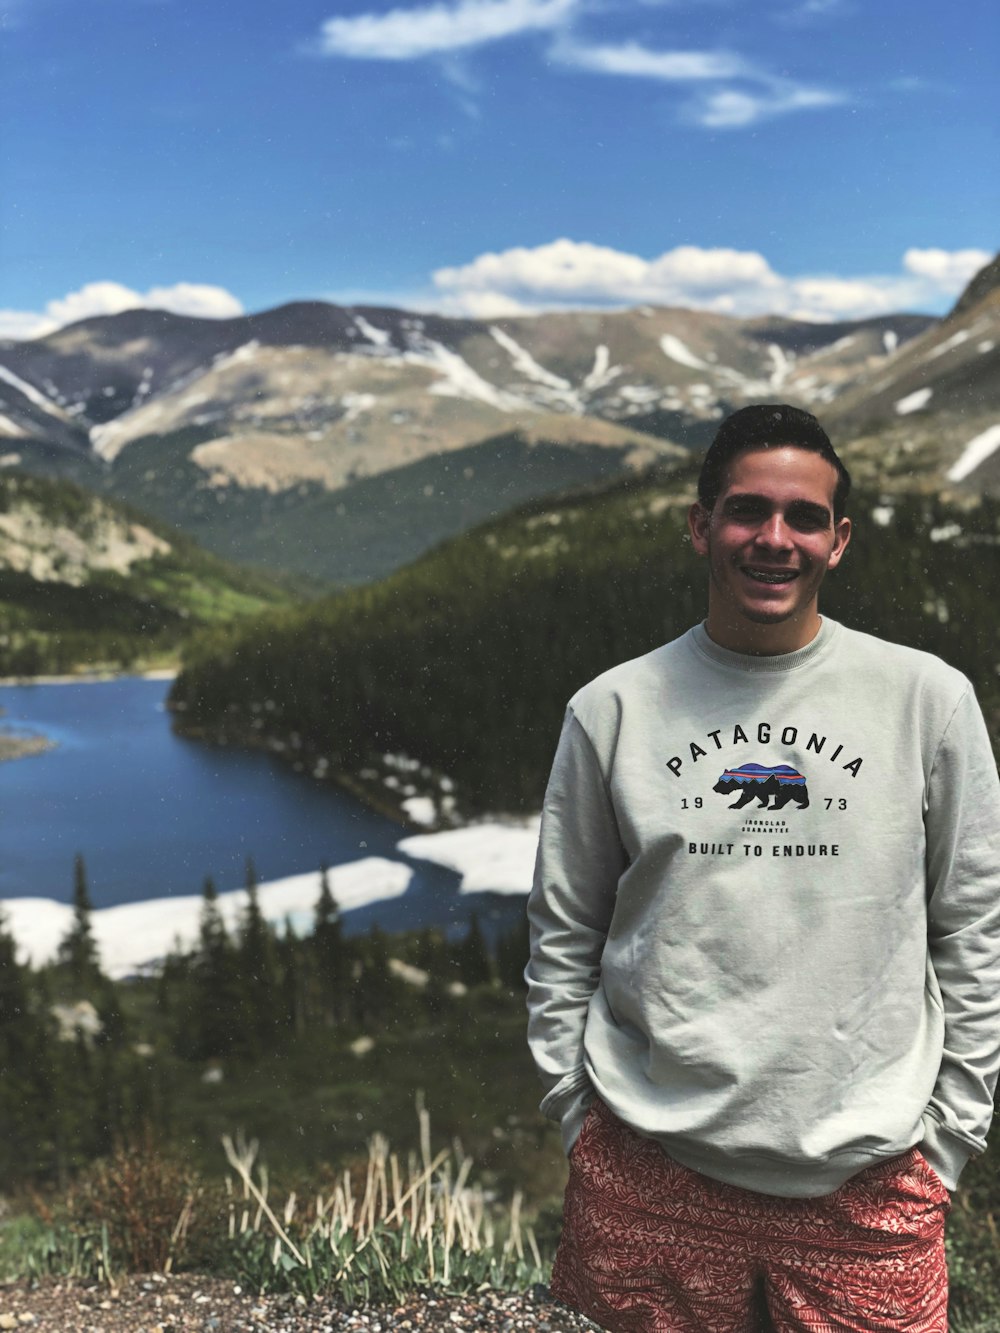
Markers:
87,583
342,441
930,417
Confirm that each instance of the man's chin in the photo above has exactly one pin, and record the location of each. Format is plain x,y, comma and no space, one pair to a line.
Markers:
759,616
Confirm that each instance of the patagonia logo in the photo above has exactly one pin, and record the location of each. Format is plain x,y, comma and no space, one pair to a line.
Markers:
774,786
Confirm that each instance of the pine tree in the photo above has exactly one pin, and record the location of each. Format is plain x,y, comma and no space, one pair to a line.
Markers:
328,951
513,949
26,1099
78,950
257,969
370,980
216,1014
293,980
475,967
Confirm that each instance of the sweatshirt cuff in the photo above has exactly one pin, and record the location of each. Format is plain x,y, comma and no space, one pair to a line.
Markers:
568,1103
944,1152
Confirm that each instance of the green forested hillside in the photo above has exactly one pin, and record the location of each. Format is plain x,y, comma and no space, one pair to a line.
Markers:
463,662
362,530
86,583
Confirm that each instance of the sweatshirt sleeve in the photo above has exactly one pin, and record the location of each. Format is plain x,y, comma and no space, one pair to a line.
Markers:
962,823
580,859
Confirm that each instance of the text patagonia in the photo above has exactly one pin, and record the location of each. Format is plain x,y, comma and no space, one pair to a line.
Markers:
763,734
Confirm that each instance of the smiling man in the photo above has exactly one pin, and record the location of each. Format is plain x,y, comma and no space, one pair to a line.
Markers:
766,1004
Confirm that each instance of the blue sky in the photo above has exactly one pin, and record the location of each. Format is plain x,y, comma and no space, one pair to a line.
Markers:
826,158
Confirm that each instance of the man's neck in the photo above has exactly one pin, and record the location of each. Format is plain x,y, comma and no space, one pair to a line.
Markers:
743,636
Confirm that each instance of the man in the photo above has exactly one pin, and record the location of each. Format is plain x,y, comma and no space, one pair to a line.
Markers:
764,986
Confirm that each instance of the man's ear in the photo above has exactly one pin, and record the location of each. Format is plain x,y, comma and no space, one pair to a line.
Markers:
698,520
841,537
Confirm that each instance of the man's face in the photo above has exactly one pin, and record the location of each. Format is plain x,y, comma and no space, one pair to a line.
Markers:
769,540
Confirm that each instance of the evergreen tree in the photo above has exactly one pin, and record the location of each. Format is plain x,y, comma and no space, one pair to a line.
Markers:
475,967
369,977
257,969
513,949
217,1003
26,1099
78,950
328,951
292,981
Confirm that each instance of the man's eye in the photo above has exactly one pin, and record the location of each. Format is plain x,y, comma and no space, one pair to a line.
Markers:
808,520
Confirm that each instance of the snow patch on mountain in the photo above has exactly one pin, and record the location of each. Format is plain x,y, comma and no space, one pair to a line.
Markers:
8,427
890,341
602,372
913,402
556,388
643,394
240,355
955,340
459,380
782,365
356,403
525,362
379,337
975,453
31,393
679,351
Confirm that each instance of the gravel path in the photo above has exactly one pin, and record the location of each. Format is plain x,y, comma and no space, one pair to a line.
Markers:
159,1304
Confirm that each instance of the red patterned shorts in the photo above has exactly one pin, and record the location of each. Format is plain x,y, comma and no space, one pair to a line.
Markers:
649,1246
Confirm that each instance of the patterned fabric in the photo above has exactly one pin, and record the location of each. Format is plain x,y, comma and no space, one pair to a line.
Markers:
649,1246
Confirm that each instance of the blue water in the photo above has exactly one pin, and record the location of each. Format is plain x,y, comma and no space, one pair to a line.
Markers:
153,813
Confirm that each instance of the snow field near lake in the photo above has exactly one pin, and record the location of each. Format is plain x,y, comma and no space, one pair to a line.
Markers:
490,857
132,935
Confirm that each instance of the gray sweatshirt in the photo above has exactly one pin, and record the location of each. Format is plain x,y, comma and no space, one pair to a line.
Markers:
766,911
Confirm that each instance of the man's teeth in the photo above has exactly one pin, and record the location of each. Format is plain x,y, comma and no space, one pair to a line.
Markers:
771,576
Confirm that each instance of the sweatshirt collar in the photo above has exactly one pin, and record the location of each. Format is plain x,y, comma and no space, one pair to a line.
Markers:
780,662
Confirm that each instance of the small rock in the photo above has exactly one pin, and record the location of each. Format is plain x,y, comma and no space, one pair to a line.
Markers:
8,1321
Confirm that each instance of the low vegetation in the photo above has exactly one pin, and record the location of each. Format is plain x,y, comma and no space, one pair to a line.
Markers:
128,1145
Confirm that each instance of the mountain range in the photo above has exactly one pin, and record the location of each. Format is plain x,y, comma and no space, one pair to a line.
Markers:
343,441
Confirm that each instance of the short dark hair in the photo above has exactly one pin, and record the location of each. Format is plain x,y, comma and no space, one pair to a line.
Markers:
763,426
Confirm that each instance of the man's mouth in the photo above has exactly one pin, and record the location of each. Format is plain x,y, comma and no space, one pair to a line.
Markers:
774,576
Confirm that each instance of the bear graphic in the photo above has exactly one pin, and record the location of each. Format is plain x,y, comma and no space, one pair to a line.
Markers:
778,780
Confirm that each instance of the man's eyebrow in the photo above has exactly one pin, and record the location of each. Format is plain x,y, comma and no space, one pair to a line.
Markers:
804,508
810,509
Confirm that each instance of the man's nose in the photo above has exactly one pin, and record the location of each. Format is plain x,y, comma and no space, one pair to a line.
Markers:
774,532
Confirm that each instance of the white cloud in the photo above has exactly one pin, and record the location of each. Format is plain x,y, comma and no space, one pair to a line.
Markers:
567,273
194,298
111,298
408,34
948,269
733,108
760,95
20,324
808,11
441,30
636,61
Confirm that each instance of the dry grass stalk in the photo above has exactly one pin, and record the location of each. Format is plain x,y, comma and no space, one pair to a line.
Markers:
430,1208
243,1166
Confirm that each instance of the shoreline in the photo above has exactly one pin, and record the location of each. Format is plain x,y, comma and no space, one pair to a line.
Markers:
489,857
22,745
93,677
